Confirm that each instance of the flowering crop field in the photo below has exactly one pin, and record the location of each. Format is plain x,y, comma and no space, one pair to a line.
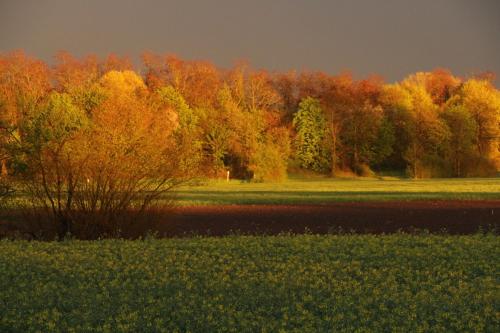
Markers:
308,283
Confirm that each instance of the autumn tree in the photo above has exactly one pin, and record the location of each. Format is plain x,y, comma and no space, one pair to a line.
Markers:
440,84
337,96
396,103
482,100
360,135
90,175
52,159
197,81
285,85
24,82
216,137
187,134
270,161
361,125
250,108
79,78
114,62
460,152
425,131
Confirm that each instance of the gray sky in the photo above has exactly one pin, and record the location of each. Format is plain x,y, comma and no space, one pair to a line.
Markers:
390,37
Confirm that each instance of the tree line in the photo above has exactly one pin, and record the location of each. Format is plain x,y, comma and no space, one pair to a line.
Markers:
90,139
254,123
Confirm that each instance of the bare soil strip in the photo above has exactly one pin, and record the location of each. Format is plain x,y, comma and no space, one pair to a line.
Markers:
448,216
454,217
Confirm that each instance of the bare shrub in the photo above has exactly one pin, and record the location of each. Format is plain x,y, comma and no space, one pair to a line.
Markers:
95,173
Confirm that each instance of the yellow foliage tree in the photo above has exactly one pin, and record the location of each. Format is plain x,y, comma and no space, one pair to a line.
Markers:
483,102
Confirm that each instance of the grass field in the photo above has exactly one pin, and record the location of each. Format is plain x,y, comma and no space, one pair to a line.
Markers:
325,190
306,283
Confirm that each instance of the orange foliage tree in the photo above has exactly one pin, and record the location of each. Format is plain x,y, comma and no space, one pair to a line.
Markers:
92,170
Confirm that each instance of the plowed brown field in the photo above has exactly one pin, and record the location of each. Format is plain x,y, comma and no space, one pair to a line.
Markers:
454,217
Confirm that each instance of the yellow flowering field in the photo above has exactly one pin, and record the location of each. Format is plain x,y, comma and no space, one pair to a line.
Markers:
307,283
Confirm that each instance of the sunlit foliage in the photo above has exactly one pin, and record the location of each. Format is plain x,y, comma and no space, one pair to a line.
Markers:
311,128
246,121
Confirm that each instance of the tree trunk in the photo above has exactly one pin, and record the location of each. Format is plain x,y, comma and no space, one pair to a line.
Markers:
3,171
65,226
334,153
356,167
415,170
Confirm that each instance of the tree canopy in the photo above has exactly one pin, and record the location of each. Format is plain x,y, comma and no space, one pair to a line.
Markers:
255,124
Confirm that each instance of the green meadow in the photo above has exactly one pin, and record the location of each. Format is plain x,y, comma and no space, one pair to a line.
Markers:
326,190
322,190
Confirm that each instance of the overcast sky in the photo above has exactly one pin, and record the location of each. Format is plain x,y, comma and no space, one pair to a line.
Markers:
389,37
